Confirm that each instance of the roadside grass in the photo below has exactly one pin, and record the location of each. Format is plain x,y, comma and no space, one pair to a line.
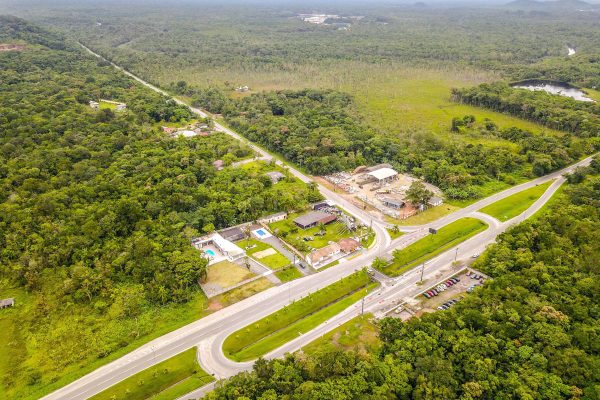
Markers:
511,206
556,198
60,358
105,104
274,261
168,378
429,215
294,319
394,234
226,274
288,274
242,292
432,245
288,231
359,334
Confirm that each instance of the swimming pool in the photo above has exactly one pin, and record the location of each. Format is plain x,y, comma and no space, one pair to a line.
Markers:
209,252
261,233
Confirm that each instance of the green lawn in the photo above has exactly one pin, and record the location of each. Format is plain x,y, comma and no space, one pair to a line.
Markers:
394,234
299,317
294,235
288,274
274,261
514,205
358,334
167,380
432,245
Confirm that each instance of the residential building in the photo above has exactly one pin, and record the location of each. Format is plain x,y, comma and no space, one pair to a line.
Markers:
392,203
435,201
323,254
269,219
314,218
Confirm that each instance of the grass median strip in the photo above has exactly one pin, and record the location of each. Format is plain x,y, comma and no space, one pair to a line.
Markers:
169,379
297,318
511,206
432,245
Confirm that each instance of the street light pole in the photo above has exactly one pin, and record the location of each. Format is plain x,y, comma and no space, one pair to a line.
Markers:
456,254
422,270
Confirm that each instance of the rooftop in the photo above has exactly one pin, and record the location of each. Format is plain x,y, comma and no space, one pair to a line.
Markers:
383,173
312,218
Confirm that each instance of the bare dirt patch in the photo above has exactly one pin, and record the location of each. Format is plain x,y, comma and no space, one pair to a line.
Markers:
11,47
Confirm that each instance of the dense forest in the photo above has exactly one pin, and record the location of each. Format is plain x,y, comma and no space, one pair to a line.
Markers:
558,112
320,131
531,332
97,207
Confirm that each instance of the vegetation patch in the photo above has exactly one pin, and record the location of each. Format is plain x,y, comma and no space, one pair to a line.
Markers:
294,319
255,248
170,377
432,245
359,334
511,206
288,274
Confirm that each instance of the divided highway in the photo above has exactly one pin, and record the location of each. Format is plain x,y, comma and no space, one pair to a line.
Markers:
209,332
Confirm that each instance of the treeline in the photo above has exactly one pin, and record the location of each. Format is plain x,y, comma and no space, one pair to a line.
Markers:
531,332
557,112
320,131
103,198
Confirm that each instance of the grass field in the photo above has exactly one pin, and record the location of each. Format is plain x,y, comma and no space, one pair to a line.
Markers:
358,334
514,205
240,293
432,245
226,273
173,377
394,234
429,215
288,274
274,261
301,316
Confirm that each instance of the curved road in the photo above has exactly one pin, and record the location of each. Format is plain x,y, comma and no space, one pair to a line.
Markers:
209,332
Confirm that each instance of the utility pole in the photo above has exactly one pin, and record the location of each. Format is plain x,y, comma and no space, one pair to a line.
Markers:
362,307
422,270
456,254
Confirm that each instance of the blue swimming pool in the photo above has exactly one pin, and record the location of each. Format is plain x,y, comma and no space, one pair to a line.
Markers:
209,252
261,232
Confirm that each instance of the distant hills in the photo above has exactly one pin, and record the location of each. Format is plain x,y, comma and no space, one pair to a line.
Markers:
552,4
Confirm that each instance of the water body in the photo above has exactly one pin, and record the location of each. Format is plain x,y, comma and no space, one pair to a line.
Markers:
558,88
571,51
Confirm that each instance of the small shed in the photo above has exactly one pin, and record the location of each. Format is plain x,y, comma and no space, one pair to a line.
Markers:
435,201
275,176
392,203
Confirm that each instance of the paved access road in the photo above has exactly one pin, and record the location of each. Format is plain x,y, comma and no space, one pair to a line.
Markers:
209,332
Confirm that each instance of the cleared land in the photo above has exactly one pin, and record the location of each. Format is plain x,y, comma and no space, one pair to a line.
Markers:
226,273
358,334
514,205
237,294
301,316
432,245
167,380
429,215
274,261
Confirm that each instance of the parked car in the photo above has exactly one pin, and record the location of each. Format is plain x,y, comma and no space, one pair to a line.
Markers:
427,295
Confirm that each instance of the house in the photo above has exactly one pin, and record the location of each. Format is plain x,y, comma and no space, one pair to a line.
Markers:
269,219
323,204
275,176
392,203
186,133
218,164
5,303
435,201
323,254
349,245
233,234
383,175
94,104
216,248
314,218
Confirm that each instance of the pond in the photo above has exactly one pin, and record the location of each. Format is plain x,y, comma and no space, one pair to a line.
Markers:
559,88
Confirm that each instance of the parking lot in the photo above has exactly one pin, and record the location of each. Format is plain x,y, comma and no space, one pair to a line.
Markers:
447,292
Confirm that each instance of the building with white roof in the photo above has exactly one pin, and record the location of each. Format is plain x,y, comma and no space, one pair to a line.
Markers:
384,174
